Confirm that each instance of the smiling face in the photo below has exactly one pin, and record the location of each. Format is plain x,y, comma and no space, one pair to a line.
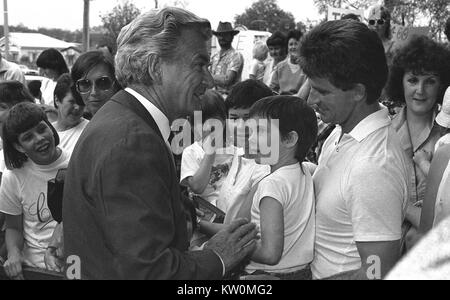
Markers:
421,92
293,47
97,97
185,78
69,111
333,104
38,144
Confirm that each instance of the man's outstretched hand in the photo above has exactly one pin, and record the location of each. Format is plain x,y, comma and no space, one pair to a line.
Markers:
234,243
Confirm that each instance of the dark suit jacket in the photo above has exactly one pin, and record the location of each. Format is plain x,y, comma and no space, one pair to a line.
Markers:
122,210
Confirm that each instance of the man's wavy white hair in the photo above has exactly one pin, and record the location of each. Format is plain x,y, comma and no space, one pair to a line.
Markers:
153,35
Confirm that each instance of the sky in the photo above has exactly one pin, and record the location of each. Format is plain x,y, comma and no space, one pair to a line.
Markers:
68,14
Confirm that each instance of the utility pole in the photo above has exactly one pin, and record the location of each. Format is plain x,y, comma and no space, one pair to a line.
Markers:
156,4
6,29
86,39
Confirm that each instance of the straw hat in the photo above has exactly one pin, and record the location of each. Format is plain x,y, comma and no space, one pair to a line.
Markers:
225,27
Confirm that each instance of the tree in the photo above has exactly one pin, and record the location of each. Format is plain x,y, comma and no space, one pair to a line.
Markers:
120,16
322,5
268,13
404,12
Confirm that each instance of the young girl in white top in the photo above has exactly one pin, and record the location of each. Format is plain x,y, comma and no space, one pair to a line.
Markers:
32,158
284,204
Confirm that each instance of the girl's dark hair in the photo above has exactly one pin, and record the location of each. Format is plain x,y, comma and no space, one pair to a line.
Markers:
89,60
213,106
21,118
64,86
421,55
294,114
246,93
52,59
12,93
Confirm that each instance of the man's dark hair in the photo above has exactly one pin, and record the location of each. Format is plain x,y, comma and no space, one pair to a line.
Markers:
52,59
294,114
346,53
351,17
244,94
421,56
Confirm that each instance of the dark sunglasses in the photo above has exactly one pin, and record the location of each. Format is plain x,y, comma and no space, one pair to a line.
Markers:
84,86
379,22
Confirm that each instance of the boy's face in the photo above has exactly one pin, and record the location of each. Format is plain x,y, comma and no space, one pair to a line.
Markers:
238,117
266,144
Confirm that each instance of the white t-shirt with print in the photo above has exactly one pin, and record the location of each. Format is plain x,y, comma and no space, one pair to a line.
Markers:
69,138
190,163
294,190
23,192
240,185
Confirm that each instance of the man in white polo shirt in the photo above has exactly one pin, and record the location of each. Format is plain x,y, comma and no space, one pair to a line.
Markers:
361,182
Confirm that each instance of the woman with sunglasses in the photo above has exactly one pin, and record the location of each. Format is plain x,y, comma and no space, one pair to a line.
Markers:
70,108
33,158
419,76
94,76
380,22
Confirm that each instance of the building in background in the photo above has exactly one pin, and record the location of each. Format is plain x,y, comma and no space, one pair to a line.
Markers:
25,48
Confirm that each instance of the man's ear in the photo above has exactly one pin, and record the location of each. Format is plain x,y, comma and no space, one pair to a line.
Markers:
19,148
359,92
154,68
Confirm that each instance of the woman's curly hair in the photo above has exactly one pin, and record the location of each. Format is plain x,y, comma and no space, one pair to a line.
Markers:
421,56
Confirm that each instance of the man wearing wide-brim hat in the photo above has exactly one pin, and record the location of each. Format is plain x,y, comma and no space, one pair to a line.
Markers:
227,64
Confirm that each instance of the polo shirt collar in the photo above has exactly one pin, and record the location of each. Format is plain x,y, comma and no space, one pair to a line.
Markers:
371,124
161,120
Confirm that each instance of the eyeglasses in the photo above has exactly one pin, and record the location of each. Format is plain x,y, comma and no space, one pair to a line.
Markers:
379,22
84,86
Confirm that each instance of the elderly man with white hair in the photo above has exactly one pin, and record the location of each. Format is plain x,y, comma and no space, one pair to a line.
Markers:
123,217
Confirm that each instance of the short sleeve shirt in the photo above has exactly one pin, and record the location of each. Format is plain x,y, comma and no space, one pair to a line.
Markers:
222,62
23,192
362,188
294,190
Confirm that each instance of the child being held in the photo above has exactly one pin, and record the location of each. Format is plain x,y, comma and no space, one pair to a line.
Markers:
258,67
284,204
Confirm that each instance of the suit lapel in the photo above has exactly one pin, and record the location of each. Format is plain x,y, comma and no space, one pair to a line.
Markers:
130,102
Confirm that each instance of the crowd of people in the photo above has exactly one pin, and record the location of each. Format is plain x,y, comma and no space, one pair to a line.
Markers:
346,179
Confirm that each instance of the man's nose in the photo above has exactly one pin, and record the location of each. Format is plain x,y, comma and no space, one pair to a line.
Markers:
313,98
